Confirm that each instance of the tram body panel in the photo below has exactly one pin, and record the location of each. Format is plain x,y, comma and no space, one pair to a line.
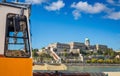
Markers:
15,67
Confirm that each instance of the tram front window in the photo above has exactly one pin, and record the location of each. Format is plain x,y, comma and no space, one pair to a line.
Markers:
17,36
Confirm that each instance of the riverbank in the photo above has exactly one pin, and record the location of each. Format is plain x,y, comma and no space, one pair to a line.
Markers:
76,74
112,73
50,67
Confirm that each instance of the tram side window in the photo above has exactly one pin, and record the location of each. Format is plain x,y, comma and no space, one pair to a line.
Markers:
17,38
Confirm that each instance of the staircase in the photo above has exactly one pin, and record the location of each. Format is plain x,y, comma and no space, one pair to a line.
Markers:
55,56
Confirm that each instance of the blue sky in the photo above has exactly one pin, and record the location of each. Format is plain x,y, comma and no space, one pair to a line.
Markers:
74,20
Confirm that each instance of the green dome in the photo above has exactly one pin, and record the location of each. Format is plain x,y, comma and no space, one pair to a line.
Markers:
86,39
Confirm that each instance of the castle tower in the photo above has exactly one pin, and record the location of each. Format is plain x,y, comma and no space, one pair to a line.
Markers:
87,42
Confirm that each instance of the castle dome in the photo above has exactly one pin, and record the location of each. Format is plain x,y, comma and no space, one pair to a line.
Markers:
86,39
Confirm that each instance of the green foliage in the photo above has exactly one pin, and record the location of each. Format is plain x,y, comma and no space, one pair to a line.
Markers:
65,50
88,61
83,52
100,61
43,47
93,60
109,52
65,54
44,55
99,52
35,54
35,50
117,53
116,60
109,61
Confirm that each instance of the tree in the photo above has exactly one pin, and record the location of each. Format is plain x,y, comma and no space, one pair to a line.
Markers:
41,59
65,50
83,52
35,50
35,54
110,52
116,60
43,47
100,52
108,61
88,61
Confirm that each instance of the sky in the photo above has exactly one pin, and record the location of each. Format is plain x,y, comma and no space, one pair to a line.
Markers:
73,20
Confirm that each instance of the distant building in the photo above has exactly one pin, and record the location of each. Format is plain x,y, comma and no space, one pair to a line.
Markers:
75,50
60,47
76,46
101,47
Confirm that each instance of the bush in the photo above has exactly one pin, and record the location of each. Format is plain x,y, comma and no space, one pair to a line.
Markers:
93,60
100,61
88,61
108,61
116,60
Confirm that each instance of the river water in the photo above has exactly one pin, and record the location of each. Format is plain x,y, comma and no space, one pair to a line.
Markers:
93,68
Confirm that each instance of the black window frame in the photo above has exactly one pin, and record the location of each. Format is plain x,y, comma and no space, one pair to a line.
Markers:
6,31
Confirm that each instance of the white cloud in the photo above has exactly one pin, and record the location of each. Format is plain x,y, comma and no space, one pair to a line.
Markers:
85,7
35,1
110,1
114,15
114,2
55,6
76,14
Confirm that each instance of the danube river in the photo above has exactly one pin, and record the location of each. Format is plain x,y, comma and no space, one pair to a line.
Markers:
93,69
